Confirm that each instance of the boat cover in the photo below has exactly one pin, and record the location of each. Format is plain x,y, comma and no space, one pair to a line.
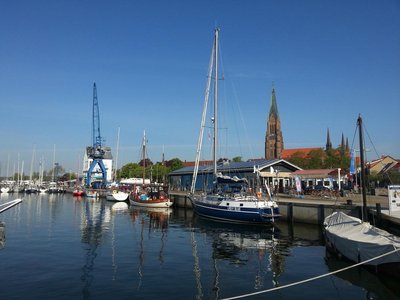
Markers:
228,179
360,241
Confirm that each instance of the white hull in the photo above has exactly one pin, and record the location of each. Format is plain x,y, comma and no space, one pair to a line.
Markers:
117,196
92,194
360,241
151,204
5,189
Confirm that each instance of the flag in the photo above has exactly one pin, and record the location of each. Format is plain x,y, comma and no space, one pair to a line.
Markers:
298,184
352,163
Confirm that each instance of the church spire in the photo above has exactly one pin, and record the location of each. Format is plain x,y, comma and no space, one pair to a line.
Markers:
273,136
328,141
273,109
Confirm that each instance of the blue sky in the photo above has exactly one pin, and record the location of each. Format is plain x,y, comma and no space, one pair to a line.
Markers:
329,61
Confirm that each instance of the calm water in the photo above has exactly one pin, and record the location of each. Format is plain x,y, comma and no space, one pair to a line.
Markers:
59,247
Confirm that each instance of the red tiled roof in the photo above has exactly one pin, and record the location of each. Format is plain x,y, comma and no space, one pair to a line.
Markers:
201,163
288,153
316,173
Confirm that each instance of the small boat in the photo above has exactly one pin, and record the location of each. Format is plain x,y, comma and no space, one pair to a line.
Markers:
152,195
5,189
78,193
92,194
117,195
358,240
149,195
230,198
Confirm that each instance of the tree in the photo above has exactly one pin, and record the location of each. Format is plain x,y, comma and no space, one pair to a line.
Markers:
237,159
131,170
159,172
174,164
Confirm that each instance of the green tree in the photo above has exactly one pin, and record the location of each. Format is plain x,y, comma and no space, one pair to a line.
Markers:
131,170
298,159
316,159
159,172
174,164
237,159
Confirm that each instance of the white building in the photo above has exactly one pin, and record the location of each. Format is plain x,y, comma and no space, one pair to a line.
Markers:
96,173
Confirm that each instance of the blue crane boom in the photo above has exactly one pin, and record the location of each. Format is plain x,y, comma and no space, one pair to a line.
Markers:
96,152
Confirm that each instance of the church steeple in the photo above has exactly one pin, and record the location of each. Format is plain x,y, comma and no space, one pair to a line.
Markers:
273,136
328,141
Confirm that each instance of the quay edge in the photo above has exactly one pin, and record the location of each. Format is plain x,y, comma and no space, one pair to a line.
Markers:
311,210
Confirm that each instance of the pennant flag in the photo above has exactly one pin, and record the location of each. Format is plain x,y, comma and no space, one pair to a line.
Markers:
352,163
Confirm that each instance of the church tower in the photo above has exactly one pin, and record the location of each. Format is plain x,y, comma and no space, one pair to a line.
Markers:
273,136
328,141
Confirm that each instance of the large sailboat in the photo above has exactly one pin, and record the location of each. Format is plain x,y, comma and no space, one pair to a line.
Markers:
358,240
230,199
149,195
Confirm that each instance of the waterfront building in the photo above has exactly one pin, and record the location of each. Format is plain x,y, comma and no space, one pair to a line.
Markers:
273,136
276,173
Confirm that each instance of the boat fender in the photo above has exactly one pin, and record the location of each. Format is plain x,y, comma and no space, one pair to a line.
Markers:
258,194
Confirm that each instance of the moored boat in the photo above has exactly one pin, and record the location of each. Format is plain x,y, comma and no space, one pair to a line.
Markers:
117,195
358,240
148,195
230,198
78,193
152,195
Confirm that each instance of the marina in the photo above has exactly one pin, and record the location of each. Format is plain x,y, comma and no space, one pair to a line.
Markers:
60,246
233,196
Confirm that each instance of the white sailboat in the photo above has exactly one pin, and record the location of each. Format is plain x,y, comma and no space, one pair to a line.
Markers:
358,240
116,192
230,199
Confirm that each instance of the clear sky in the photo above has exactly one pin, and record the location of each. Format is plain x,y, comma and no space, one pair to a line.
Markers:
328,60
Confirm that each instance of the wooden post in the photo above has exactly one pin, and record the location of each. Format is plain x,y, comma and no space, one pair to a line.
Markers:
321,214
378,213
290,212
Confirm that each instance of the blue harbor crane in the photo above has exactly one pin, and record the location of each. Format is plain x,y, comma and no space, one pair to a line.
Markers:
96,152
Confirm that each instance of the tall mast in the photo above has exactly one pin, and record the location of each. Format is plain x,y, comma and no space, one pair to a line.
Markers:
363,179
116,158
215,141
203,120
54,161
144,155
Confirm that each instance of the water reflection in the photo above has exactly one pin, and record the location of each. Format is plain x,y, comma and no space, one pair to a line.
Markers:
375,287
2,235
95,219
150,219
240,245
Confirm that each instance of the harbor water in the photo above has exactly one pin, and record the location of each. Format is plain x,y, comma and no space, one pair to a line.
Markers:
55,246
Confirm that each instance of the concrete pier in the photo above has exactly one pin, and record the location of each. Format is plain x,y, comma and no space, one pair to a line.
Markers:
313,210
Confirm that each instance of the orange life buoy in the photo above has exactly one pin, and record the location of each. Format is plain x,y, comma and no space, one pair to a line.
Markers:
258,194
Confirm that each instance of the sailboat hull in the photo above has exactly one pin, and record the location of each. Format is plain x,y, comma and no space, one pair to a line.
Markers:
249,210
117,196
